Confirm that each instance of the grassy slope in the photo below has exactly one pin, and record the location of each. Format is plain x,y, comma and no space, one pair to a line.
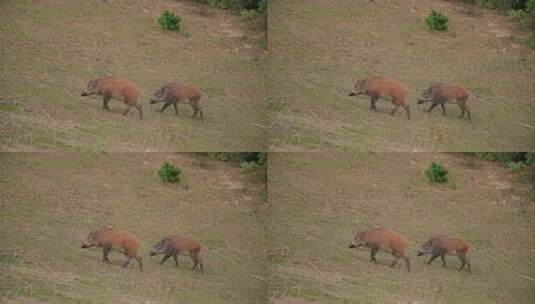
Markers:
319,48
321,200
48,204
50,50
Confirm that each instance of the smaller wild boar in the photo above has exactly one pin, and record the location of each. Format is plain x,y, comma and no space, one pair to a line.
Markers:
383,240
115,87
110,239
442,245
173,246
383,87
440,94
173,93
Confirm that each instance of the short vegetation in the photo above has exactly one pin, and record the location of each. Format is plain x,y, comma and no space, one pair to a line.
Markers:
259,6
169,173
520,11
436,173
169,21
437,21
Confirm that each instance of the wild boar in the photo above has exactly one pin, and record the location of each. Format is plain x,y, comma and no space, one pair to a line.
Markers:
173,246
440,94
173,93
383,240
115,87
442,245
110,239
383,87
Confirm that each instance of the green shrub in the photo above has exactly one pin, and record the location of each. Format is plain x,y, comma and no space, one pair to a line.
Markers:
169,173
520,11
169,21
437,21
436,173
516,167
259,6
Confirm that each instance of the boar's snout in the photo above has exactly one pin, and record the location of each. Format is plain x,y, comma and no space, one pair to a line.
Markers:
153,252
84,93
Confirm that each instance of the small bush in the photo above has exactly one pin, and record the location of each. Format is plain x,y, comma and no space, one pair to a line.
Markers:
436,173
169,21
169,173
437,21
517,167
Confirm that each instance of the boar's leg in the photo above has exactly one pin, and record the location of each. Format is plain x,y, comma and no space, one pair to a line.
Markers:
166,256
373,102
407,109
433,257
165,106
140,110
408,262
128,107
372,255
105,101
432,107
175,257
395,262
468,113
176,109
443,258
464,261
128,259
138,259
197,264
394,110
443,109
197,108
105,253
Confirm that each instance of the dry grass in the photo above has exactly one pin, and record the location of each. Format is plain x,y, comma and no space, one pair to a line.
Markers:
319,201
48,204
48,52
319,48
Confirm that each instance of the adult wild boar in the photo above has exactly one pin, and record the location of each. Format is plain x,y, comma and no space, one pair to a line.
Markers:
442,245
383,87
440,94
174,92
110,239
115,87
173,246
380,239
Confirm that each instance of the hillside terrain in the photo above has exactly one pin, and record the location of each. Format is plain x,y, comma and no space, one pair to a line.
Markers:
318,49
49,203
50,50
319,202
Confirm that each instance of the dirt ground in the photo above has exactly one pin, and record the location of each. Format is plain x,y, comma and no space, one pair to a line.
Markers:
49,50
319,201
49,203
318,49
